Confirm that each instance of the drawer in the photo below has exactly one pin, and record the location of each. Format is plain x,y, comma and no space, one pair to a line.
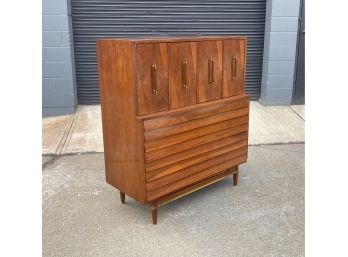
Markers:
186,147
234,58
197,173
152,77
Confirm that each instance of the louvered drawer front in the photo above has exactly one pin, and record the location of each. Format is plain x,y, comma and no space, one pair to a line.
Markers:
186,147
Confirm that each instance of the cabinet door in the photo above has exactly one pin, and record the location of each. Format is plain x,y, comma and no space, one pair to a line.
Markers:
209,70
233,67
152,77
182,74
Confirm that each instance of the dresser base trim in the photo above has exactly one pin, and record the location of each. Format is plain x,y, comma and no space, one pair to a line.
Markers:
188,190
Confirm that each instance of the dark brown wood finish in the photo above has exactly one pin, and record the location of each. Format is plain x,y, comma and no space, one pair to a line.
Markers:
231,135
123,135
190,108
235,178
190,180
202,131
161,140
154,213
168,175
174,39
185,146
182,74
179,117
195,164
192,124
146,56
194,151
233,66
123,197
209,51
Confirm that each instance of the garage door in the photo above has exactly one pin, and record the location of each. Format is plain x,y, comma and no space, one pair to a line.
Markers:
93,19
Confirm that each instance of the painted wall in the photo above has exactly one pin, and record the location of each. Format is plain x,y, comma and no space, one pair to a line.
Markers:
58,66
279,52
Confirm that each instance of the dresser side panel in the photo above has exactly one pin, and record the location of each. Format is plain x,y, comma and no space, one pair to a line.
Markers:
122,133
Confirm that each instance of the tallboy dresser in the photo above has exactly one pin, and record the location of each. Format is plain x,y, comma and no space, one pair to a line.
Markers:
174,112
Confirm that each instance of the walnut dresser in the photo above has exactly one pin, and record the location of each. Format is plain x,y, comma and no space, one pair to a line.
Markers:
175,115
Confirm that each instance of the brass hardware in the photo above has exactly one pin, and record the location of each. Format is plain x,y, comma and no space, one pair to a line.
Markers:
211,71
191,191
153,79
234,67
184,74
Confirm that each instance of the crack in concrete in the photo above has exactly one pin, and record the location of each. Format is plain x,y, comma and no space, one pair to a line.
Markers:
54,158
73,154
66,134
297,113
283,150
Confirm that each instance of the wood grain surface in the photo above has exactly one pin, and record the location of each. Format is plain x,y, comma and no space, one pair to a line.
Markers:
179,94
207,50
234,57
147,55
189,132
122,133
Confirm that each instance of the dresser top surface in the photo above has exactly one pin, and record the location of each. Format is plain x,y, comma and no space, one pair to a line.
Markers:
173,39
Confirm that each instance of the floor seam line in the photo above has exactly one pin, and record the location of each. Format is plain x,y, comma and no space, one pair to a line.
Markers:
69,131
297,114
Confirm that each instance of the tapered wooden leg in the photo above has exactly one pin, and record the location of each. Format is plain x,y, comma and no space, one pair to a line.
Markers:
154,213
235,178
123,197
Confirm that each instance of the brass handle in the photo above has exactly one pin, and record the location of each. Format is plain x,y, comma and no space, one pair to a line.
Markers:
211,71
184,74
153,79
234,67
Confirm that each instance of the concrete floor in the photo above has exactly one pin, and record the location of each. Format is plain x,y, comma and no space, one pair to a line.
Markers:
262,216
82,132
274,125
299,109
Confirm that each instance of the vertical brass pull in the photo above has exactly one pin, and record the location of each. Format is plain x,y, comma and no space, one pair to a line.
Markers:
211,71
184,74
153,79
234,67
